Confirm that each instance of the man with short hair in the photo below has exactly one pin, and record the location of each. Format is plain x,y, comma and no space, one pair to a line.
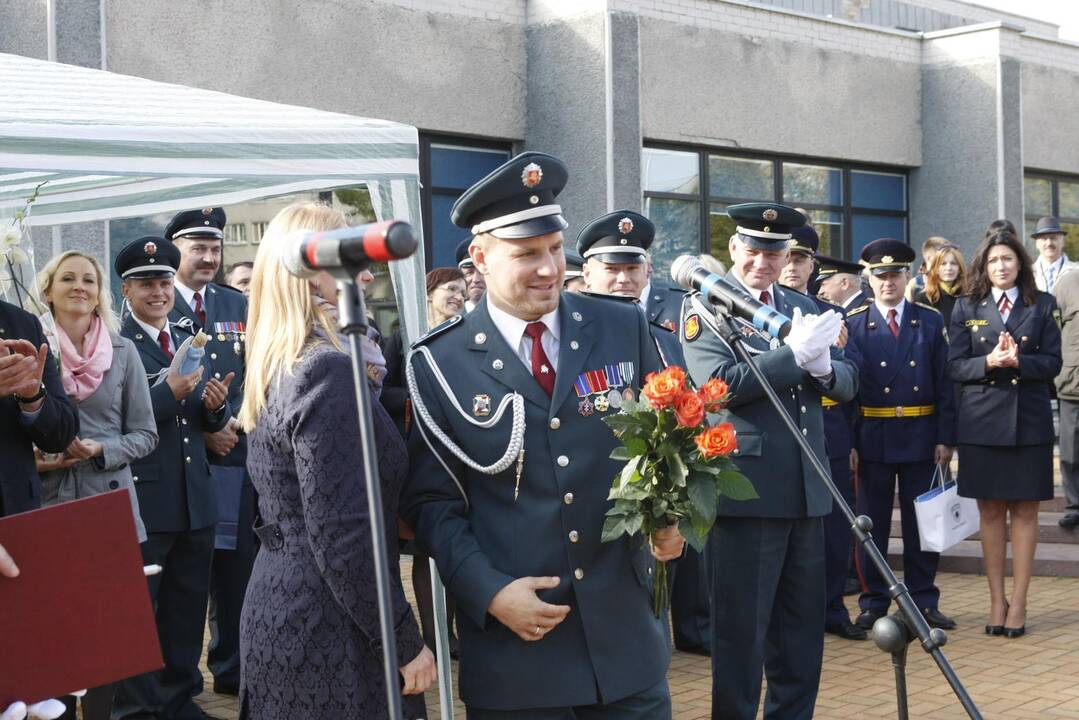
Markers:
1052,262
474,282
553,622
238,276
574,276
177,497
221,312
840,282
767,554
907,425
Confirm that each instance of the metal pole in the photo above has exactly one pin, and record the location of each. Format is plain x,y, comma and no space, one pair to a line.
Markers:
442,639
860,525
352,321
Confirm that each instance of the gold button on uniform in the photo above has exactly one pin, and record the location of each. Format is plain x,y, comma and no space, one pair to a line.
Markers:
579,574
573,537
555,423
568,498
563,461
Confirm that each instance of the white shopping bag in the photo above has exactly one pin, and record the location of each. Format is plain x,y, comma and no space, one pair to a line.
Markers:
944,518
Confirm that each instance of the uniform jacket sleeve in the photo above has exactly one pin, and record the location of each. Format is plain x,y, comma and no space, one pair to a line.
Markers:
434,507
945,391
1045,362
329,469
56,423
963,365
138,436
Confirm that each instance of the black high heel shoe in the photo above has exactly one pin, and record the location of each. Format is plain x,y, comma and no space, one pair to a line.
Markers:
999,629
1014,632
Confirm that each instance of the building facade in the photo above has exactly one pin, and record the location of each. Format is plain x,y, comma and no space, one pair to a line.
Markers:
901,118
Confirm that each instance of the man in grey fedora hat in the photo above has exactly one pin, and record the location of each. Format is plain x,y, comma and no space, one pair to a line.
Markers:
1052,261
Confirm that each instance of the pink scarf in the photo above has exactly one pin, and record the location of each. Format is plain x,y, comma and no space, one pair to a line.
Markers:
82,374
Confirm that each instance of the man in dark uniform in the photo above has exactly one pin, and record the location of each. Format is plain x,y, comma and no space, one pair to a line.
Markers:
838,425
34,409
221,312
574,277
615,252
906,424
474,284
840,282
767,555
176,493
553,622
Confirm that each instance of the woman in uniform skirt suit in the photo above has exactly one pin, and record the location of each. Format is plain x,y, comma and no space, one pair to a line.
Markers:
310,640
1004,352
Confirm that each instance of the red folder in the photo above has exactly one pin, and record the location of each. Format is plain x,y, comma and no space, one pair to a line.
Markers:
79,614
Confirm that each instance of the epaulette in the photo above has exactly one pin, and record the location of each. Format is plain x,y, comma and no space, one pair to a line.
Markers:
438,330
604,296
859,309
661,326
928,307
227,288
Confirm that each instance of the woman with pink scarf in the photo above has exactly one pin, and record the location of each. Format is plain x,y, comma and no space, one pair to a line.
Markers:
103,376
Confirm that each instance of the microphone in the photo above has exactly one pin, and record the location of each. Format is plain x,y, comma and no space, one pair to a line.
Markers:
311,251
688,272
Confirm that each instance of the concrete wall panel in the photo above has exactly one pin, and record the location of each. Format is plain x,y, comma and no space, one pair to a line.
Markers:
723,89
1050,118
436,71
23,28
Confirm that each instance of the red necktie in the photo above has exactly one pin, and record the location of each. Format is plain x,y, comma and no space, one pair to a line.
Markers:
163,341
1004,304
766,299
542,369
199,310
892,324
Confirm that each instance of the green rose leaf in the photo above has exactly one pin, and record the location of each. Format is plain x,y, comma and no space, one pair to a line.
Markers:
736,486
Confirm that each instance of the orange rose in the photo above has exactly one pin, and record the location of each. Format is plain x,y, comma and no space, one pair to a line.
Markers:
662,388
713,393
678,374
688,409
718,440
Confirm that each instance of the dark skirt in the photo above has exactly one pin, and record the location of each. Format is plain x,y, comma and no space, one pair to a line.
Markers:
992,472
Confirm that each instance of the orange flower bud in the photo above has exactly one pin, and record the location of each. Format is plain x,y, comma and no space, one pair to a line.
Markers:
688,409
716,441
661,389
713,393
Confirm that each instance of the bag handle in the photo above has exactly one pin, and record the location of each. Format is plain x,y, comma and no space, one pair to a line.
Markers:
940,471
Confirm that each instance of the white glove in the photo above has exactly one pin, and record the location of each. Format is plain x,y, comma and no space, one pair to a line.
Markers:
814,336
800,337
44,710
821,365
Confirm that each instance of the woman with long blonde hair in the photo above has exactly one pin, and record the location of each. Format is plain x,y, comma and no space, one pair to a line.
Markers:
103,376
943,281
309,633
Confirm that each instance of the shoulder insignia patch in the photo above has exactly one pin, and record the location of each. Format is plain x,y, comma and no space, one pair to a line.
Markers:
692,327
859,309
438,330
1059,317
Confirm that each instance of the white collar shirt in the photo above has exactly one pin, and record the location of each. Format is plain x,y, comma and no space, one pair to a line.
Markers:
1013,297
189,295
512,330
883,310
756,294
153,332
645,297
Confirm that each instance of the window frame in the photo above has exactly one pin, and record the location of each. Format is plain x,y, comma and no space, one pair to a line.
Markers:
1054,178
847,211
428,189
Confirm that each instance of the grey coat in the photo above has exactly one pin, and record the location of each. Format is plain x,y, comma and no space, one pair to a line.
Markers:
119,416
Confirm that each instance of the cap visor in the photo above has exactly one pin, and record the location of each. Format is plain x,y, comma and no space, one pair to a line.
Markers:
143,274
617,258
885,269
764,244
531,228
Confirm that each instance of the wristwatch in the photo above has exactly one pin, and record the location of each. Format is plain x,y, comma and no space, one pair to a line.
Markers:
33,399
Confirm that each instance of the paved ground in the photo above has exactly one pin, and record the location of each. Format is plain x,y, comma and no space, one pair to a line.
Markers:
1033,678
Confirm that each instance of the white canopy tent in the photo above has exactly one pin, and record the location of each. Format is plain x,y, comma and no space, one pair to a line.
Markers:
110,146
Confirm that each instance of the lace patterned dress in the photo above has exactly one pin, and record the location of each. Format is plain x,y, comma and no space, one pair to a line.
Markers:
310,641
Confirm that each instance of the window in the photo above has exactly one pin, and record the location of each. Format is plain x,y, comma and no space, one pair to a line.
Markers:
1055,195
235,234
687,192
259,230
448,167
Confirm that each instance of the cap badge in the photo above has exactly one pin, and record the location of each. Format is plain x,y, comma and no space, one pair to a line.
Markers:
887,259
531,175
767,228
150,248
207,211
770,215
625,226
623,241
534,199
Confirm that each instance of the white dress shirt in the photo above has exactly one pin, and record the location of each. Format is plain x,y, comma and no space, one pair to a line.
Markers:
153,332
645,296
756,294
189,295
512,330
1013,297
1050,271
883,310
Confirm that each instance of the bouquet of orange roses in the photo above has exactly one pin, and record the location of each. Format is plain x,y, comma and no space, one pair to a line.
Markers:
677,466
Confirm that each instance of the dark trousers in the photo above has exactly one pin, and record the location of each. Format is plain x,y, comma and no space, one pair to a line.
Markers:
179,594
690,611
876,494
96,704
767,579
837,545
1069,452
651,704
230,572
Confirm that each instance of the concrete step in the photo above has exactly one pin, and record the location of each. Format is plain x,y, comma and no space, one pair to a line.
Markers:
1050,559
1048,529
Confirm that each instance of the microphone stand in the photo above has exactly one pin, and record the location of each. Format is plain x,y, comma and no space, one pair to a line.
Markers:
352,321
931,639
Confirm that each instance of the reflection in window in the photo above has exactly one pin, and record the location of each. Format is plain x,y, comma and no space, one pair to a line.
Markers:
678,225
720,229
1057,196
671,171
812,184
1038,196
1068,192
878,190
740,178
867,228
829,227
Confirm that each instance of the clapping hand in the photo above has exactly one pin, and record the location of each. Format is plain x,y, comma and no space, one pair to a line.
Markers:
21,367
216,392
1005,354
222,441
80,449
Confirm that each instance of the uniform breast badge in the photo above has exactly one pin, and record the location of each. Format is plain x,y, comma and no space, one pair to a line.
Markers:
600,390
601,403
481,405
584,407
